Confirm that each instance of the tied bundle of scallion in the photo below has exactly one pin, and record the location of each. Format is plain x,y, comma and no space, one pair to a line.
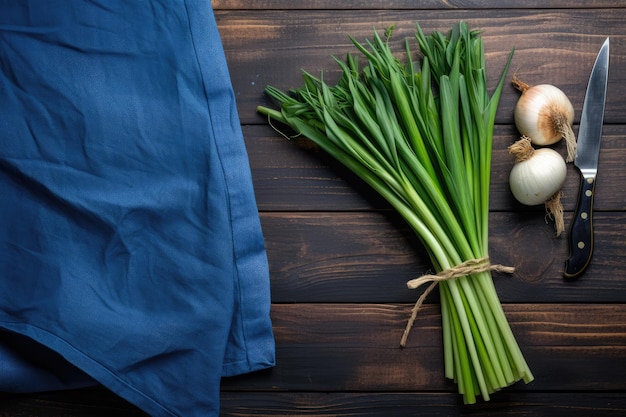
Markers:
420,134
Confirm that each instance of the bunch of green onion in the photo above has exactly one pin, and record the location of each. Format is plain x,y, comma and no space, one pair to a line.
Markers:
420,134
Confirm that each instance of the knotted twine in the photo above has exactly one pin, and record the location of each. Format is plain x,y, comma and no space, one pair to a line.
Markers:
469,267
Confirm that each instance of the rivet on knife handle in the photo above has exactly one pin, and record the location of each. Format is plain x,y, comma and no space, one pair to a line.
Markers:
581,232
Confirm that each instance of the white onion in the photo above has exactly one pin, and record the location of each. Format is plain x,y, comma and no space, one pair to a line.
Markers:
537,178
545,114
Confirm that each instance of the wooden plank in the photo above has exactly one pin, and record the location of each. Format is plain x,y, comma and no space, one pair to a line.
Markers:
410,404
92,402
410,4
354,348
99,403
295,176
269,48
368,257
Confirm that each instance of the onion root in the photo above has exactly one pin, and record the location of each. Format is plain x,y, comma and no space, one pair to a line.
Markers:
554,211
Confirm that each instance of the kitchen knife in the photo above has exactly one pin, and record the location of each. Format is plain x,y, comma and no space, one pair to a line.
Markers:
587,152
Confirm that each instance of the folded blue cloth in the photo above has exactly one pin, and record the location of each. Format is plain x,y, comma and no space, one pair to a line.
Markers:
131,252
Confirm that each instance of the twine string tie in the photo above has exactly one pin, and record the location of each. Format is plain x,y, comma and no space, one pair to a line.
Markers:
469,267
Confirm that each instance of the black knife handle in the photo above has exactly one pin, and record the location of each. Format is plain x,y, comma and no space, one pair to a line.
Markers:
581,233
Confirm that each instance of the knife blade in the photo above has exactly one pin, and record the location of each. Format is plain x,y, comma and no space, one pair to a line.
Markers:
587,153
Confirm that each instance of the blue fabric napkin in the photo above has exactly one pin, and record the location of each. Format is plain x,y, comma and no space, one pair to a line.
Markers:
131,252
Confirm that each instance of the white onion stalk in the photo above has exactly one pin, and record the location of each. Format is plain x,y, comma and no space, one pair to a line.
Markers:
545,114
537,178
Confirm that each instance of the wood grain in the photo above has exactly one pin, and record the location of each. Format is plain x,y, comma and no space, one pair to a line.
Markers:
355,347
352,350
551,46
406,4
410,404
368,257
331,240
101,403
292,175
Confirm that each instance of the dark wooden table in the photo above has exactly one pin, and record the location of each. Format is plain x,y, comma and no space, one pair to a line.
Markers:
340,258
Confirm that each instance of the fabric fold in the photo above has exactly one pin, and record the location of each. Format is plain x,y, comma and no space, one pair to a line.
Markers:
131,251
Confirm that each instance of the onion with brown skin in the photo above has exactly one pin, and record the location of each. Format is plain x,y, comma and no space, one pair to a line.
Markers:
545,114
